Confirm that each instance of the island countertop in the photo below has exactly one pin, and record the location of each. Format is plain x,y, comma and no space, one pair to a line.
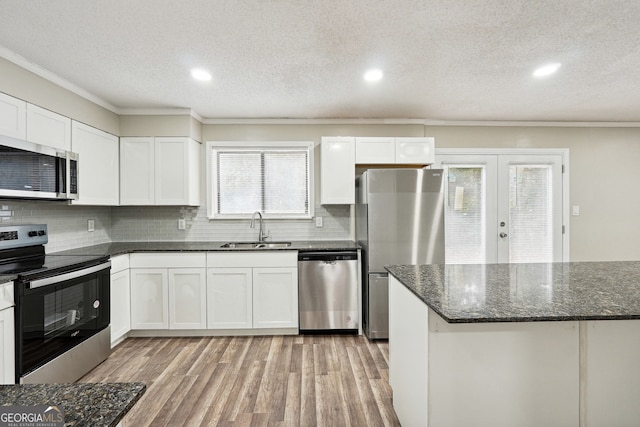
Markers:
84,404
526,292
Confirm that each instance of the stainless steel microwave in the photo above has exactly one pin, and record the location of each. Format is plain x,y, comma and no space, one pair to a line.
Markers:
33,171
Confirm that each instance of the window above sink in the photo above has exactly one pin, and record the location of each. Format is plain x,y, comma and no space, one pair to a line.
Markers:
275,178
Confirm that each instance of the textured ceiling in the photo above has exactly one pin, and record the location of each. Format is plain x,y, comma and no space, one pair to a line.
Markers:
442,60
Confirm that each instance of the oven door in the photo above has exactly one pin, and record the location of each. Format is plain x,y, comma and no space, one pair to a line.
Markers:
57,313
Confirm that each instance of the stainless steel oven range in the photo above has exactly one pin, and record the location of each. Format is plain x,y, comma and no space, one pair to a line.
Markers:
62,307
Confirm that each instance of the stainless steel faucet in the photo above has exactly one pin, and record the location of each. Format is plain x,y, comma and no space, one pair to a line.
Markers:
261,234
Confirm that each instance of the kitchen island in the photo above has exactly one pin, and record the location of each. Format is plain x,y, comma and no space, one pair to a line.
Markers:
83,404
553,344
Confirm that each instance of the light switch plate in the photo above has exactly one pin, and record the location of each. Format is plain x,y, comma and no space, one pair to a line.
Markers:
182,224
318,221
91,225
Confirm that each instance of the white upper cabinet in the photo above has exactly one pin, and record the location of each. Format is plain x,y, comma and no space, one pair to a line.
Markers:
137,158
372,150
388,150
98,166
48,128
337,170
160,171
13,117
415,150
177,171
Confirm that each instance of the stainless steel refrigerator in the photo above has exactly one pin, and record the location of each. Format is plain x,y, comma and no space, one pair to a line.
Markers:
399,220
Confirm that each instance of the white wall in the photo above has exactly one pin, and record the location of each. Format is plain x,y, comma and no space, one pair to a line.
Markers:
20,83
604,179
604,174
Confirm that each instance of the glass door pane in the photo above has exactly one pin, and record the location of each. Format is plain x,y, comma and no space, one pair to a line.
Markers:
469,208
530,209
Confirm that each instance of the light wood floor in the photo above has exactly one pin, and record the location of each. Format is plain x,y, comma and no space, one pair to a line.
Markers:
310,380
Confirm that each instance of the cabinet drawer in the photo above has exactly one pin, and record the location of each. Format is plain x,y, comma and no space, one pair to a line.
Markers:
168,260
253,259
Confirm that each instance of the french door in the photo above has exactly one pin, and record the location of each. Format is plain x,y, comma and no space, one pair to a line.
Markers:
505,208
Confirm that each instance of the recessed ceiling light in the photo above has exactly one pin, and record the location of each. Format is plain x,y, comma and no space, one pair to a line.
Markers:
546,70
373,75
200,74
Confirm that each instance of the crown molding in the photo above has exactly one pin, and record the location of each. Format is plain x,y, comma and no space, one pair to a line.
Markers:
23,62
506,123
292,121
160,112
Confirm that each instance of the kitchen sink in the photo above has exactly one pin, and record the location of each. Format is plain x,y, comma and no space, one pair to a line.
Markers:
256,245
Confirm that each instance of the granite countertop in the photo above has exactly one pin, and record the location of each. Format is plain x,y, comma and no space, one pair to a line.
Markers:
84,404
120,248
526,292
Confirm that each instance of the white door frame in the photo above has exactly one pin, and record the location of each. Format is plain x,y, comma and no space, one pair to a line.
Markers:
564,152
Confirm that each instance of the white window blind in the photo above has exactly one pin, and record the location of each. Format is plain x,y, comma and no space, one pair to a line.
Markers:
275,181
465,216
531,213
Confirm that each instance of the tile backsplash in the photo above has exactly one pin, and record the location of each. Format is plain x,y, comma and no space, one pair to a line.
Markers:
68,224
161,224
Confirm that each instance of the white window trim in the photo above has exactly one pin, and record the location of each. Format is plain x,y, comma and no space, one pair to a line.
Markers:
564,152
211,174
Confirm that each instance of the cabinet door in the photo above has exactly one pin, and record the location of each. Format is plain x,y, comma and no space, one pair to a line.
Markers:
48,128
417,151
120,305
275,297
98,166
7,352
13,115
229,298
373,150
187,298
149,298
337,171
177,169
137,176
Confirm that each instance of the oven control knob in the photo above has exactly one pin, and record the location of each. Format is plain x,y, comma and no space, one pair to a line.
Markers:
96,303
32,233
42,233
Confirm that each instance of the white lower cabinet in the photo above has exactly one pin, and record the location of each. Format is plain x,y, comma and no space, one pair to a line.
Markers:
275,297
120,299
7,335
168,291
149,298
7,352
250,290
187,298
229,298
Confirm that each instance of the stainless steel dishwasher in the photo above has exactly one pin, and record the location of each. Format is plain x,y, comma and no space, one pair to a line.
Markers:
328,290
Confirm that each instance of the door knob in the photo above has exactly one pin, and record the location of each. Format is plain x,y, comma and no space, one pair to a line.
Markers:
503,234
